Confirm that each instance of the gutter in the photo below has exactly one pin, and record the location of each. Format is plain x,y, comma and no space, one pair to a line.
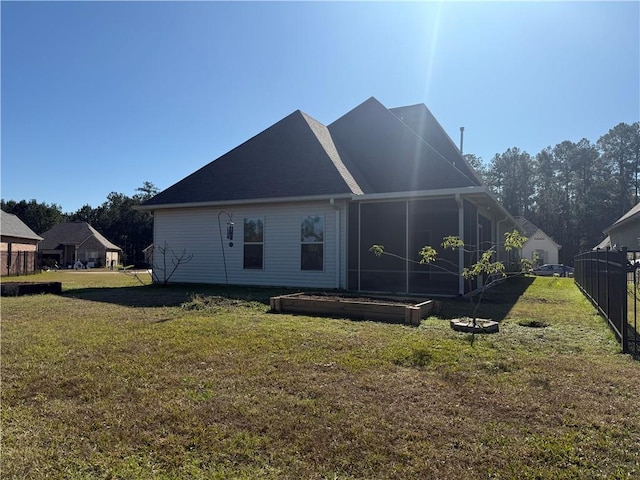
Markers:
443,192
310,198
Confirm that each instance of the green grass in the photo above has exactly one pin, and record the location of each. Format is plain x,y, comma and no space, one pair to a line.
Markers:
117,380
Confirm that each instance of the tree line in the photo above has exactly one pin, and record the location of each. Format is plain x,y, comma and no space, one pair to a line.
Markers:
116,219
572,191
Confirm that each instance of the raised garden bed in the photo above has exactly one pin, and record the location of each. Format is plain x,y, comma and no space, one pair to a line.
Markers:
394,310
16,289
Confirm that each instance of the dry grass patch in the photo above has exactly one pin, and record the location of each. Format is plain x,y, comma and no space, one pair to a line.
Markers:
199,382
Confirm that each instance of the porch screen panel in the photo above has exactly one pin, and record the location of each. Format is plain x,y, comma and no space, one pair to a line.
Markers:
429,222
484,232
470,232
470,236
383,224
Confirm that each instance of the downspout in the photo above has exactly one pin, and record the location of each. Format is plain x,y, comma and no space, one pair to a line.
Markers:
460,249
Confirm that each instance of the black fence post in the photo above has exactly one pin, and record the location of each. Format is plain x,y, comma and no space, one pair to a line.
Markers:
624,327
597,276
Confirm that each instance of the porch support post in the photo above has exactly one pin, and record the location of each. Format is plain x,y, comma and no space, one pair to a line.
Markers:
460,249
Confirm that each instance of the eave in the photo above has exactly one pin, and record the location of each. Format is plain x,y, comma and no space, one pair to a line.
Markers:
248,201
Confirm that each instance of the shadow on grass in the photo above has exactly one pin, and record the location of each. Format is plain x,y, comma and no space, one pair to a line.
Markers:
497,301
496,304
171,295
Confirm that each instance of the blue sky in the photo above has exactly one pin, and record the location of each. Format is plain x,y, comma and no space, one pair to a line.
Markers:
102,96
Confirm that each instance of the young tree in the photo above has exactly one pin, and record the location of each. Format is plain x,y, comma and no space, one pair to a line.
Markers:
166,262
486,269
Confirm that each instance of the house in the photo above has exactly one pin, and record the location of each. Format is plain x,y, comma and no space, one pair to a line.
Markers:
18,246
539,245
625,232
604,244
300,204
67,243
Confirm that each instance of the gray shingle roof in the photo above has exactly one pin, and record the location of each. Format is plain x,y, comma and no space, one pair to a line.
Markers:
294,157
12,226
634,212
72,233
420,119
392,156
529,228
368,150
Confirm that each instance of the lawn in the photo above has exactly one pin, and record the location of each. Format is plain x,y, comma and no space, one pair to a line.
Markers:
114,379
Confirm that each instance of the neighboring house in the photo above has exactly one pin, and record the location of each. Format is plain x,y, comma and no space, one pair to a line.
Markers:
625,232
605,243
18,246
539,245
66,243
301,203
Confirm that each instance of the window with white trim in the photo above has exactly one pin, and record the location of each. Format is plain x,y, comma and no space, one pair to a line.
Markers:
312,243
253,243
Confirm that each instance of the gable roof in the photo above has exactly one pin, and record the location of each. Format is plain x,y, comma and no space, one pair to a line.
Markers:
73,233
369,150
633,213
530,229
12,226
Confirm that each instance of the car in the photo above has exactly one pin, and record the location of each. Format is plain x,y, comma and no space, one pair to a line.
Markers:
550,269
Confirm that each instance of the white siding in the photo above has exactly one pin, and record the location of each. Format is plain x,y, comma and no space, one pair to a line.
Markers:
539,241
196,232
627,235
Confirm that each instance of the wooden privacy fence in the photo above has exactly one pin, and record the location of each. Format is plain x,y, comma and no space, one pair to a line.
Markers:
18,263
609,279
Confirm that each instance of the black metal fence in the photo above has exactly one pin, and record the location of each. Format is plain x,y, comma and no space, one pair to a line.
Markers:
609,279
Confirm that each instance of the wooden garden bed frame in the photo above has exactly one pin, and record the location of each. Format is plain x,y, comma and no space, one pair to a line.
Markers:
400,310
16,289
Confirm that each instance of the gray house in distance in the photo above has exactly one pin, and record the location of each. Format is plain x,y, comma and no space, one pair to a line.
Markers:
625,232
301,203
68,242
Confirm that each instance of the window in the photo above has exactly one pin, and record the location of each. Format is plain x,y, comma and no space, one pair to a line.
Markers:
312,243
253,243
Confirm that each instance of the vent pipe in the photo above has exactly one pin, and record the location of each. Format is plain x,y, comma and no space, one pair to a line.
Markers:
461,139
